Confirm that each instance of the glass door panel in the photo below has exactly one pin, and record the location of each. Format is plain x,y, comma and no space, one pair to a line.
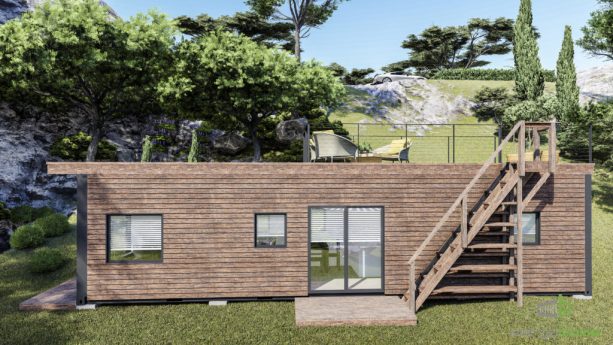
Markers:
327,249
364,248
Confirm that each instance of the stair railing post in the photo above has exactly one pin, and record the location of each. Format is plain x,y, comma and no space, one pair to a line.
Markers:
464,226
520,243
553,150
412,288
536,140
306,145
522,150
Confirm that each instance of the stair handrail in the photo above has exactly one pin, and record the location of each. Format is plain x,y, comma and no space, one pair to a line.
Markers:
468,188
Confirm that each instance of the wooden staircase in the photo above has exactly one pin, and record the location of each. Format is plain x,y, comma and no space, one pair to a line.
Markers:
483,256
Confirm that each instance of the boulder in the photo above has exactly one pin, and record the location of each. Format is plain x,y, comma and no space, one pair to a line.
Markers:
292,129
10,9
229,142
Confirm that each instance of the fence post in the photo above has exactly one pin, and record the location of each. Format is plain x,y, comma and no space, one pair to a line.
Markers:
306,147
590,144
406,134
448,149
358,134
495,146
499,141
453,143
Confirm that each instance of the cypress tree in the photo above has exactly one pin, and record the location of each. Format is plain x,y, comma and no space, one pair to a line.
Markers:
146,156
566,83
529,79
194,150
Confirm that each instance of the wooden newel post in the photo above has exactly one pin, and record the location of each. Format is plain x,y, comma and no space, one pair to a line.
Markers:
412,288
520,243
536,140
464,226
522,150
553,149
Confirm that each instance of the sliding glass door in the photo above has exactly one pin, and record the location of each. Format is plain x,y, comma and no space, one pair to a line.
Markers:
345,246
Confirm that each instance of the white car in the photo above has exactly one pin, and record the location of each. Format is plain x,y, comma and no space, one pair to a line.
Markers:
394,76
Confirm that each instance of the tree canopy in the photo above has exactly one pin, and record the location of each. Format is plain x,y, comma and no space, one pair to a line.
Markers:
598,34
567,90
304,15
456,46
529,78
236,84
72,54
250,24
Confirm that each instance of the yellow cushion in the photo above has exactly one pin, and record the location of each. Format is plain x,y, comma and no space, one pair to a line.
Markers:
396,146
514,157
545,156
324,132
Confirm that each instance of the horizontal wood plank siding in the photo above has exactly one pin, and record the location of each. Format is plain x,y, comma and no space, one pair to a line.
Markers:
208,212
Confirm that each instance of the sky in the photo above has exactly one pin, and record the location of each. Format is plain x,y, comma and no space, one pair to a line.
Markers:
368,33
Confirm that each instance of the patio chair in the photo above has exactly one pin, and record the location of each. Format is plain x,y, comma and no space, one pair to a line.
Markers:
398,151
331,146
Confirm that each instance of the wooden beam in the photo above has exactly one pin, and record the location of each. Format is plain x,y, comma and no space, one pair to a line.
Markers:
520,245
522,150
536,140
553,149
464,224
412,288
536,188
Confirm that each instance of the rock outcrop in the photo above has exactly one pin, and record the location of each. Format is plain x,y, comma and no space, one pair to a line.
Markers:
10,9
596,84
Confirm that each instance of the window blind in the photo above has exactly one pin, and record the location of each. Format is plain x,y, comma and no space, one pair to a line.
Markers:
327,224
364,224
134,233
271,225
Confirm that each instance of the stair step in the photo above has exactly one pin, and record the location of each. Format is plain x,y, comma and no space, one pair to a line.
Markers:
475,289
483,268
479,275
494,233
492,246
499,224
485,254
509,203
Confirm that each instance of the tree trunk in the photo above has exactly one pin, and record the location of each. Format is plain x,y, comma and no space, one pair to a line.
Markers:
297,48
96,132
253,131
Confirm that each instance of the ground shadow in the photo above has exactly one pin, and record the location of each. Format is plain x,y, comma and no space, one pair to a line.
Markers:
603,193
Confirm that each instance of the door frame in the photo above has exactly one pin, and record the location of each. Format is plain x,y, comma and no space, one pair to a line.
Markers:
346,290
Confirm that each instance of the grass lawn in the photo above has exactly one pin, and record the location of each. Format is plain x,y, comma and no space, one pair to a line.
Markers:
469,88
486,322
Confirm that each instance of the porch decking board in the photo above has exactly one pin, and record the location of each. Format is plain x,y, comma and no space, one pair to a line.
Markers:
353,311
61,297
208,222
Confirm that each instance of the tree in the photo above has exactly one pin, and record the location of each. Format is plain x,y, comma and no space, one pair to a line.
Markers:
529,79
491,103
567,90
238,85
598,34
456,46
249,24
337,70
194,151
304,15
73,55
358,76
147,147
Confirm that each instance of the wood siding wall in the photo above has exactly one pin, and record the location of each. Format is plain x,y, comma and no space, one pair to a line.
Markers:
208,212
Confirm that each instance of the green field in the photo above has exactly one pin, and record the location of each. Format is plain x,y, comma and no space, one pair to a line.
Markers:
480,322
469,88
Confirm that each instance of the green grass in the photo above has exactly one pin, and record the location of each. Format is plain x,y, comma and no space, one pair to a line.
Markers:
482,322
469,88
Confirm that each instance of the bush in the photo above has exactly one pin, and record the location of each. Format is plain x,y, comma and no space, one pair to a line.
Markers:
46,260
53,225
26,214
484,74
74,148
5,213
27,236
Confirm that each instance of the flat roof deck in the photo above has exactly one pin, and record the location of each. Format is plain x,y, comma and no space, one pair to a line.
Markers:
353,311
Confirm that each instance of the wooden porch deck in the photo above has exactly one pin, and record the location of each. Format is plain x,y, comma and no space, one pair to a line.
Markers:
61,297
353,311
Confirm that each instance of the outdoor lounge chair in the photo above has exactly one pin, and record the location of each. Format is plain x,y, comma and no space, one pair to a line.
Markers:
331,146
398,151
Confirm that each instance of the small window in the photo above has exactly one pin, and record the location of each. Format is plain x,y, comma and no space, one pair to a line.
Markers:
134,238
270,230
531,225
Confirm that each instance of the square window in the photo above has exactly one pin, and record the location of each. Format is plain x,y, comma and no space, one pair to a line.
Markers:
270,230
134,238
531,226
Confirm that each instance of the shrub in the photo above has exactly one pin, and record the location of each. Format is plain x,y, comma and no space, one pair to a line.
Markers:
5,213
74,148
484,74
27,236
26,214
46,260
53,225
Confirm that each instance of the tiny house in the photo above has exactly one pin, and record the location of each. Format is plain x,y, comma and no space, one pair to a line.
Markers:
238,231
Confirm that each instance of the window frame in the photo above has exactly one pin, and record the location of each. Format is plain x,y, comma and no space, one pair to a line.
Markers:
132,262
255,229
537,234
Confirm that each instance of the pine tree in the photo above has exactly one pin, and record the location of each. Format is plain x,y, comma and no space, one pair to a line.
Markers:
566,83
146,156
529,79
194,150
